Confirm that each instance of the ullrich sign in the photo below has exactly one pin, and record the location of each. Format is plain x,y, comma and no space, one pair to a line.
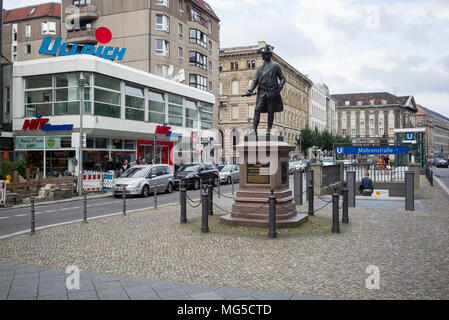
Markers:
55,46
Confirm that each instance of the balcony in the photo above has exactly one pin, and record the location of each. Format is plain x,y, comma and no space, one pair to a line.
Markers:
86,13
83,36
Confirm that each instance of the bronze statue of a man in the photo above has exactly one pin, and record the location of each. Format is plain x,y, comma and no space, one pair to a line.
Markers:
269,89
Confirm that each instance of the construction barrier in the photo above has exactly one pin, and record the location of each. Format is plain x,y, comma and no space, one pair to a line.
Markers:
97,181
2,192
93,181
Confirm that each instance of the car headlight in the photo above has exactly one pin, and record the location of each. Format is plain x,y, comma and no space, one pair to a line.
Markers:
134,185
189,176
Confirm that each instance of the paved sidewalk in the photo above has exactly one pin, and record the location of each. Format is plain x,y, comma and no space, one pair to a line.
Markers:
31,283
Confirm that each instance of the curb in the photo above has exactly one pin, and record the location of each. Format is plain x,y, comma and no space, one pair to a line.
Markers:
442,185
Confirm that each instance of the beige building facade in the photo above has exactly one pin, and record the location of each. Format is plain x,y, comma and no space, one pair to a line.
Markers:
238,68
437,132
24,28
163,37
367,117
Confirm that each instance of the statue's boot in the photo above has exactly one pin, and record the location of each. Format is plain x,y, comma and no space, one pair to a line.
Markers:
252,132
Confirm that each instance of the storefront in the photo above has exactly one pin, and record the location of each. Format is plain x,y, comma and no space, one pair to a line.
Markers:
125,111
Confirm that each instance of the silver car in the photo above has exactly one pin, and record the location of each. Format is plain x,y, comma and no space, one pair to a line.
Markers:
142,179
228,173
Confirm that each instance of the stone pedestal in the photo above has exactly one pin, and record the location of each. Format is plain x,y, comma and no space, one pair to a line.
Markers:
264,164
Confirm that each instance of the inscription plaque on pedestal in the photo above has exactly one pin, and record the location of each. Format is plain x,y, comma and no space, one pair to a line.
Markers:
258,173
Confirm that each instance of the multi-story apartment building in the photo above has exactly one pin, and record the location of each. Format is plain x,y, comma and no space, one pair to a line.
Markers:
367,117
437,131
24,29
318,107
238,68
332,116
157,34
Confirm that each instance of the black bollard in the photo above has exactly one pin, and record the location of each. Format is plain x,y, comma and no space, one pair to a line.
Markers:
272,215
345,218
311,198
155,194
204,213
124,200
409,191
219,187
232,182
84,206
182,193
210,199
297,178
309,179
33,217
335,209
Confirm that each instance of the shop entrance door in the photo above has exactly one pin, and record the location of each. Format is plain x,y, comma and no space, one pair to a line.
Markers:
146,152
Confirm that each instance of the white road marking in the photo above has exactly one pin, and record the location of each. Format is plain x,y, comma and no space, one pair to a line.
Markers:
51,211
20,215
3,218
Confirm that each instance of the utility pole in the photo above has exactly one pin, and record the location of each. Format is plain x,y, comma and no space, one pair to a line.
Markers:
82,85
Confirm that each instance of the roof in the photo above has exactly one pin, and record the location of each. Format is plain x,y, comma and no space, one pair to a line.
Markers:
425,111
50,9
206,7
367,98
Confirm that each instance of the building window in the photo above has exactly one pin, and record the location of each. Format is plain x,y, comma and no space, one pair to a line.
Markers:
362,131
210,85
175,110
343,122
210,46
234,88
32,11
8,100
162,22
191,114
236,65
362,122
253,64
134,103
371,121
38,96
371,131
107,97
162,71
28,49
28,31
234,112
67,94
198,81
165,3
197,59
352,132
381,131
49,27
232,65
195,15
180,54
162,48
210,68
343,132
198,37
347,103
206,115
156,107
180,31
180,6
209,27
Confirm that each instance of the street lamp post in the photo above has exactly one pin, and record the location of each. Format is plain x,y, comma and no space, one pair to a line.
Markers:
82,84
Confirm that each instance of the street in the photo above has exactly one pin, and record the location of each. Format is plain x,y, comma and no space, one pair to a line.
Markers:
15,220
442,174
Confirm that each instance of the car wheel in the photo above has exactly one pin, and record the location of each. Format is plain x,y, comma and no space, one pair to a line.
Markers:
145,191
169,188
229,180
196,184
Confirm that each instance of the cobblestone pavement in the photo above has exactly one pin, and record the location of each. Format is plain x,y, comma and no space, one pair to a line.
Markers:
410,249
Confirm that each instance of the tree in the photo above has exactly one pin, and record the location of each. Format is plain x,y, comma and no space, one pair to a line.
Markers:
306,140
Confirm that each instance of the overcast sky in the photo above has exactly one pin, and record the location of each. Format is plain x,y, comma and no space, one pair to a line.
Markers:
353,46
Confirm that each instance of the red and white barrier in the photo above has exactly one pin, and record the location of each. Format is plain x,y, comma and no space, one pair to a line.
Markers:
93,181
2,192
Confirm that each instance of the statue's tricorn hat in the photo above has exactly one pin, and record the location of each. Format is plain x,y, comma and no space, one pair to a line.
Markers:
266,49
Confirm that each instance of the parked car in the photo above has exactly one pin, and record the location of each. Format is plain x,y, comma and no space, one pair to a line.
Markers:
228,173
142,179
194,173
300,165
327,161
442,164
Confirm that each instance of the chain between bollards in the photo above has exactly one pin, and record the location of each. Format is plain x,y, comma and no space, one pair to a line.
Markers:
124,200
204,213
210,198
183,201
345,191
335,209
33,216
272,215
84,206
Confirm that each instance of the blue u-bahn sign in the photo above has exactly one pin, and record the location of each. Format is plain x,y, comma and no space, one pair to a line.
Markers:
372,150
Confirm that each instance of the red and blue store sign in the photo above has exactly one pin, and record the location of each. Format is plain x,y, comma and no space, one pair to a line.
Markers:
42,124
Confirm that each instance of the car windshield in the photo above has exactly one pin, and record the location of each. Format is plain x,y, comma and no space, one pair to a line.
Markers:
189,168
328,159
139,172
303,162
225,169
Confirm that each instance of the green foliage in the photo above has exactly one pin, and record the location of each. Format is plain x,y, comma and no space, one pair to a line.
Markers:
7,168
324,140
21,167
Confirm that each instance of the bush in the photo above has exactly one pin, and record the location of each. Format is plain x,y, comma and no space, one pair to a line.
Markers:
21,167
7,167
